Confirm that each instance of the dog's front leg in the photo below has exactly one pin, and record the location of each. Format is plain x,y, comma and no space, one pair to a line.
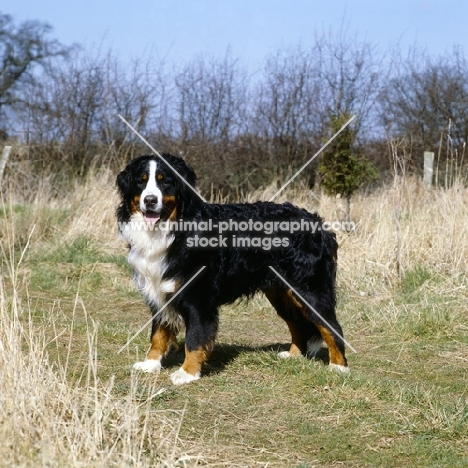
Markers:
162,335
199,342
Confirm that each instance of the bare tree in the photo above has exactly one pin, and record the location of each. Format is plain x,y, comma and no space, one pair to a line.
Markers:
286,113
76,104
211,115
302,90
142,93
424,97
22,47
210,99
351,75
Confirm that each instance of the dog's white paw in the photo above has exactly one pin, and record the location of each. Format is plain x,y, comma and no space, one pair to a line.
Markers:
180,377
284,354
338,368
152,366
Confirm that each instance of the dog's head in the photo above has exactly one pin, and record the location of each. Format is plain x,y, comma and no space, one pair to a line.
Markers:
156,187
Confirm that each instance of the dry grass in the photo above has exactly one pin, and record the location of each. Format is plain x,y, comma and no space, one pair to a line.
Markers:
67,304
46,420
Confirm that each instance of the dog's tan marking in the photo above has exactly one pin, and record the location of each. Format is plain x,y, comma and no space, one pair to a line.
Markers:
296,302
194,360
135,204
336,356
288,302
160,342
170,203
298,341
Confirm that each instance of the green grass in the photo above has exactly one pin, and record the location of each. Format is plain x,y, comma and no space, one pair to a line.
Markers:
404,403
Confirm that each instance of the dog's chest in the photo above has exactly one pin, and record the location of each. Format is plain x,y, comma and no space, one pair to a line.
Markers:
148,257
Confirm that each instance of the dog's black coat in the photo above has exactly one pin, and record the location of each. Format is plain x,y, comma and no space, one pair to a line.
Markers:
306,260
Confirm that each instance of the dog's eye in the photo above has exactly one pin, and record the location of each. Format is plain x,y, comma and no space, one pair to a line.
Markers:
161,180
144,177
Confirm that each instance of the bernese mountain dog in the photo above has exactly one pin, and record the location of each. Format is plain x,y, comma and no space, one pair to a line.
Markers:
189,257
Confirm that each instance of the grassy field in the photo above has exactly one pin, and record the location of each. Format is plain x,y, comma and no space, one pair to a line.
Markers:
68,305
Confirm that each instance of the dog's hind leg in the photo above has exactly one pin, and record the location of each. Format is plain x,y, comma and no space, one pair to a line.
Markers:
333,336
305,337
327,325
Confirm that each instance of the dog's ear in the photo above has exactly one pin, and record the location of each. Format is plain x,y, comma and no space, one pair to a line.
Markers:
182,168
188,174
124,180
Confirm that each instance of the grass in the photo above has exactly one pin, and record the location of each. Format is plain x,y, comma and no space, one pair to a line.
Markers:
68,304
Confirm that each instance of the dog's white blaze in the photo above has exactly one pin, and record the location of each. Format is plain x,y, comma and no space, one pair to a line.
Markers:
151,188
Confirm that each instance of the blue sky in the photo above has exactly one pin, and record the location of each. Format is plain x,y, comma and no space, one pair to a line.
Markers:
179,30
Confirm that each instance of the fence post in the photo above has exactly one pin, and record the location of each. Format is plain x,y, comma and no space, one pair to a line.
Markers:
3,161
428,168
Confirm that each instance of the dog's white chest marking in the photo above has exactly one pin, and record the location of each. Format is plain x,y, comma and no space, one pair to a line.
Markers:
148,257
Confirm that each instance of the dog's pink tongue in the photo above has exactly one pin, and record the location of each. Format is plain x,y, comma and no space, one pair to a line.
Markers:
151,218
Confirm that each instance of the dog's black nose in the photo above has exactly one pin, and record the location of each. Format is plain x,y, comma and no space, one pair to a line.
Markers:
150,201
